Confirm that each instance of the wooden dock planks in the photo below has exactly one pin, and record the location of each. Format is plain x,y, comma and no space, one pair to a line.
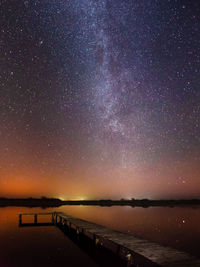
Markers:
139,252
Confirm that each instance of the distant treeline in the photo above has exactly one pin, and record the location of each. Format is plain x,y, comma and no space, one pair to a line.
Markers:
134,202
55,202
30,202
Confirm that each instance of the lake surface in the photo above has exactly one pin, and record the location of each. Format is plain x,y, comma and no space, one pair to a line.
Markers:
47,246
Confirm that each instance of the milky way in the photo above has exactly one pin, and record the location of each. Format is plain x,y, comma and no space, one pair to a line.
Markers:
100,93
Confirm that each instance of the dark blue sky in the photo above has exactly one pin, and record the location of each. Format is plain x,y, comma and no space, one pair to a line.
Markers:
100,93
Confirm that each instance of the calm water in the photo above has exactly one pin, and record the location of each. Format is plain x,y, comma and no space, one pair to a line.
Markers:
48,246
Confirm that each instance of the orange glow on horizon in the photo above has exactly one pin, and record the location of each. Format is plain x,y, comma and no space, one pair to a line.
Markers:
149,181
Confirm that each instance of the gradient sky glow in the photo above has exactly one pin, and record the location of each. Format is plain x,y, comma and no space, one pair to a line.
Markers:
100,99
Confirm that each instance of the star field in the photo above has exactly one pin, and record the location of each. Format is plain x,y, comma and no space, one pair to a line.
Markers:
100,98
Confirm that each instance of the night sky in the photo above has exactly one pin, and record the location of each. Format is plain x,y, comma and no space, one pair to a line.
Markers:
100,98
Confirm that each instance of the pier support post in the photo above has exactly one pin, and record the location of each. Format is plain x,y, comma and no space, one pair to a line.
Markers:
20,219
96,241
69,227
77,234
52,218
35,218
129,258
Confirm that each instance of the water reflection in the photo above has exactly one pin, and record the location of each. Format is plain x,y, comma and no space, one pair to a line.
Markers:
48,246
33,246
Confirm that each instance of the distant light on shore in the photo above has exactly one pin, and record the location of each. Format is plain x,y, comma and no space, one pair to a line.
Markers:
61,197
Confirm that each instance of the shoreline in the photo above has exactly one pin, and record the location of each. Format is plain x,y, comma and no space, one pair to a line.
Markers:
54,202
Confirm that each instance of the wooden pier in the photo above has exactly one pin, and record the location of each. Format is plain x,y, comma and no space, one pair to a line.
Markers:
137,252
